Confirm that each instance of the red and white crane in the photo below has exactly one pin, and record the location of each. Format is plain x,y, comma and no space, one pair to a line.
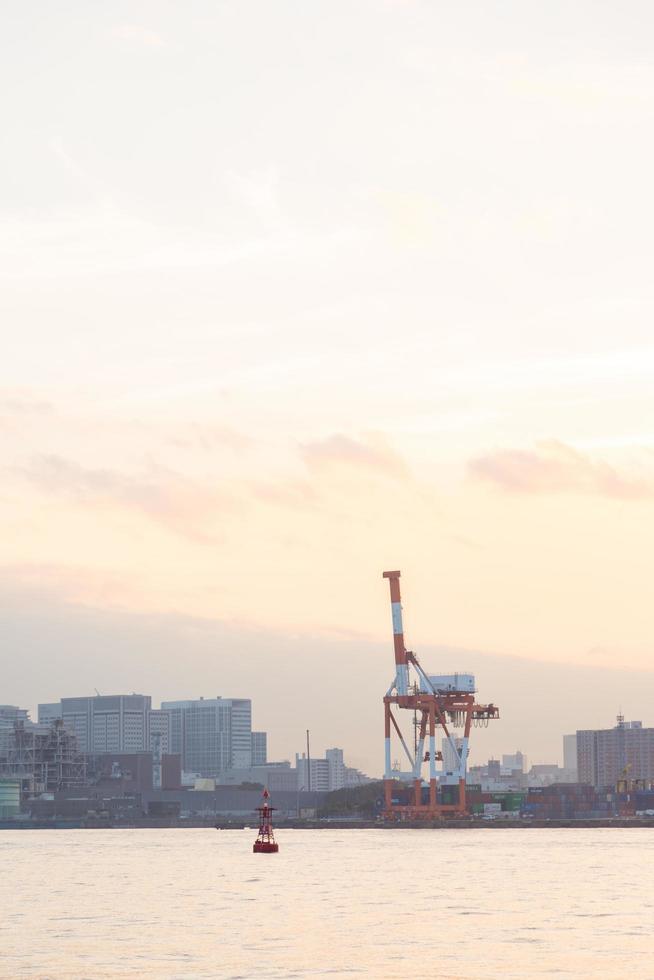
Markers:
437,703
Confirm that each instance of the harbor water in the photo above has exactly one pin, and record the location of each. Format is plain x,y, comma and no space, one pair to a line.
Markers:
197,903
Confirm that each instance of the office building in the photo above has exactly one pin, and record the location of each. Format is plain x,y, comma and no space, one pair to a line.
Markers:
606,755
336,767
115,723
312,774
570,771
259,748
159,727
328,774
241,733
212,735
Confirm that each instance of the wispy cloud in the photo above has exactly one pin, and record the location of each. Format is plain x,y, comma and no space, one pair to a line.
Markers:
19,404
339,449
553,467
187,507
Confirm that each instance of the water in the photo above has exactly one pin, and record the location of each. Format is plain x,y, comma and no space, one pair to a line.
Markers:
190,904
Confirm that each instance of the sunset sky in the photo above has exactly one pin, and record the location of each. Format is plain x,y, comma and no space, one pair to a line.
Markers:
295,292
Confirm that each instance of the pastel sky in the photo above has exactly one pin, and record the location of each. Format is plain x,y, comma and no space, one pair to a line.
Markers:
294,292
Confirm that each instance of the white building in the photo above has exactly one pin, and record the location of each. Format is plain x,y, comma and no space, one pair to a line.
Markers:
275,776
312,774
118,723
515,762
328,774
113,723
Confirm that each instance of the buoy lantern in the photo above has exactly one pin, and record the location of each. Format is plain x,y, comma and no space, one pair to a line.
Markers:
265,842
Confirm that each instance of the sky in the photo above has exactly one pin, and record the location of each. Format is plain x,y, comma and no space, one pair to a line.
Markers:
294,293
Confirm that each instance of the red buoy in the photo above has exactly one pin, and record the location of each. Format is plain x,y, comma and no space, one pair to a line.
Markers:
265,842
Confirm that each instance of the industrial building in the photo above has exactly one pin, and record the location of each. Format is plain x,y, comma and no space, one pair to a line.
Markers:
43,758
136,772
606,755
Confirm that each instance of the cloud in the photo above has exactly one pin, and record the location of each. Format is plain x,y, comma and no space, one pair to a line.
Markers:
342,450
194,508
553,467
188,507
134,34
17,404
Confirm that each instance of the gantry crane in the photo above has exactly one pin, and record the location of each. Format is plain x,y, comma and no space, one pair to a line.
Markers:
439,703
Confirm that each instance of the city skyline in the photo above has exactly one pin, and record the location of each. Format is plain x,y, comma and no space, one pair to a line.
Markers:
209,743
483,747
580,697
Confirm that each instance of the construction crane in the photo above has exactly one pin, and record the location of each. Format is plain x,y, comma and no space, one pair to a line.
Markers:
438,702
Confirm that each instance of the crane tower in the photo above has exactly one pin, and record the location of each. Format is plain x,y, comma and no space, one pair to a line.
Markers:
438,703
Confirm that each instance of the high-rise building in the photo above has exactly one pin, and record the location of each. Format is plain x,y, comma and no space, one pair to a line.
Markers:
312,774
158,729
259,748
570,753
606,755
336,766
241,733
211,734
115,723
